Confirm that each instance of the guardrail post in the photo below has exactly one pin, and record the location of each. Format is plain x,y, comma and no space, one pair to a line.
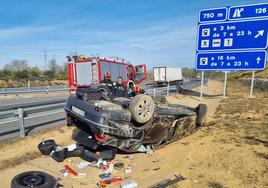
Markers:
48,89
4,91
21,122
168,89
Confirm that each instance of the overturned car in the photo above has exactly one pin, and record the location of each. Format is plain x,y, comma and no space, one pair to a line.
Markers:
128,123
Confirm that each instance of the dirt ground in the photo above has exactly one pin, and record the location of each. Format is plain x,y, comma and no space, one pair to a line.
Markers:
230,151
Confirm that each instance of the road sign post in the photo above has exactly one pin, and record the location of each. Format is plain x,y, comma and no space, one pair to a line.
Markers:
238,41
252,84
225,84
202,84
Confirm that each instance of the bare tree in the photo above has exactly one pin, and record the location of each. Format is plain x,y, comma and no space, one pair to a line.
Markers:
53,66
17,65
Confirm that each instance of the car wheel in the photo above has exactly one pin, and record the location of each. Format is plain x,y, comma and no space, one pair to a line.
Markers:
104,91
35,179
201,111
141,108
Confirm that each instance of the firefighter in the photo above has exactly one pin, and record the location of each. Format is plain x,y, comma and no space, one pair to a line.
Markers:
130,86
119,88
119,84
107,80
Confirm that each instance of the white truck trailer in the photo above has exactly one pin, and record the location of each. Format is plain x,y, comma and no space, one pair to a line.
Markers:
164,75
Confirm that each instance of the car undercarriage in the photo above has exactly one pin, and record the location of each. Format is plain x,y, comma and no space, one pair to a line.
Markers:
127,123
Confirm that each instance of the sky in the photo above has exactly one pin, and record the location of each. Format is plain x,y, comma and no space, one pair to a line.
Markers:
152,32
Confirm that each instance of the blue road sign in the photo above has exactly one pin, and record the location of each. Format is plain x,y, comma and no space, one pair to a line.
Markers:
248,11
255,60
210,15
242,35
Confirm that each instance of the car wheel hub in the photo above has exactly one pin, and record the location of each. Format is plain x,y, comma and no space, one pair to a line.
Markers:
32,180
144,109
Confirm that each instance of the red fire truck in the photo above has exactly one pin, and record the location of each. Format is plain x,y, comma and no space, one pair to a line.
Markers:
87,71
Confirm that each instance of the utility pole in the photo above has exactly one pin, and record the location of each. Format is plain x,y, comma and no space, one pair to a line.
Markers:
45,59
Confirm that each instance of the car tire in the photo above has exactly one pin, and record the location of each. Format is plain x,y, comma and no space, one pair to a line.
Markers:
201,111
141,108
105,91
35,179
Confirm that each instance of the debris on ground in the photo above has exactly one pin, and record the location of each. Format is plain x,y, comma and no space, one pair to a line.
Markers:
80,175
128,169
105,176
114,180
118,166
83,164
129,184
108,168
70,170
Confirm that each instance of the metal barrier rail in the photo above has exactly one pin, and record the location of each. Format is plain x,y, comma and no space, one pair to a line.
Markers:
165,91
37,89
22,111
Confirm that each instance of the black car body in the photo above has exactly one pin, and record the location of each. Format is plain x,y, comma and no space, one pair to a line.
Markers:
109,122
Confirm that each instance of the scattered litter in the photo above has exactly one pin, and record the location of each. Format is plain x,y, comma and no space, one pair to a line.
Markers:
113,180
63,170
104,163
129,184
83,164
105,176
108,168
70,170
65,174
145,170
80,175
118,166
128,169
72,147
155,169
155,161
99,163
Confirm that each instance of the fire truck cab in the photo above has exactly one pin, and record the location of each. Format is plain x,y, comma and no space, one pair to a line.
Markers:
86,71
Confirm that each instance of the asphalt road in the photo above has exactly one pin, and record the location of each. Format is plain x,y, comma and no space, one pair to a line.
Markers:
9,128
20,101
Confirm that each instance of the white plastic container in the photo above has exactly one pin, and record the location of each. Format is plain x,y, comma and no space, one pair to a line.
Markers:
129,184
